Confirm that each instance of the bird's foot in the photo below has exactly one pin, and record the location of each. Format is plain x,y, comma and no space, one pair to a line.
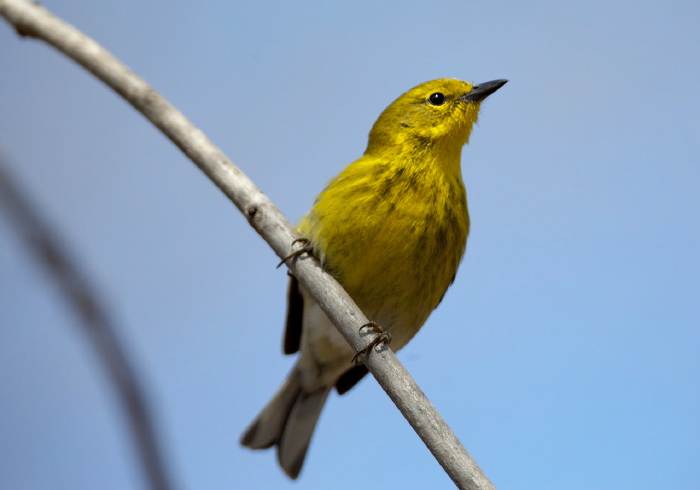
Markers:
382,337
306,248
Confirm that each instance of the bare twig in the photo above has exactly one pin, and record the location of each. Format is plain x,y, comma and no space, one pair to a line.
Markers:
76,289
267,220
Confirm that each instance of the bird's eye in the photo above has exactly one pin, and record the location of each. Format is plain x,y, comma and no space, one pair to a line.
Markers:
437,98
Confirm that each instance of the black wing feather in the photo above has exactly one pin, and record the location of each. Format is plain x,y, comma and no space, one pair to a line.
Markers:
350,378
295,314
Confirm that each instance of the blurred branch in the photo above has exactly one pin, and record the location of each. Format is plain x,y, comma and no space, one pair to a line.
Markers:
267,220
76,289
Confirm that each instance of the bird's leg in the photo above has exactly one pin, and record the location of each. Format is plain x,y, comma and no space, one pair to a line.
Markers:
307,248
382,337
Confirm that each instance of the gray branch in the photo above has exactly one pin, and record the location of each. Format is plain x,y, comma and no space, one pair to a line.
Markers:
76,289
32,20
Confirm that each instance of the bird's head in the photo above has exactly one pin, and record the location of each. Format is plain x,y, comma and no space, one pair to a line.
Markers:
439,113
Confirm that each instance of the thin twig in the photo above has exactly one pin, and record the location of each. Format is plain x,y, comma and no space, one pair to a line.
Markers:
268,221
80,295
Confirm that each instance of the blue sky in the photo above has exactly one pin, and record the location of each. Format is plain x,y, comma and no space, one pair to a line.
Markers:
565,355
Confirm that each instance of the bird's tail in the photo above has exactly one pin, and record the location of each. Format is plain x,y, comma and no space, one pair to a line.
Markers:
288,422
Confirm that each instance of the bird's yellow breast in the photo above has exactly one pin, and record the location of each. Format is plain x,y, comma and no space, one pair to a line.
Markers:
392,231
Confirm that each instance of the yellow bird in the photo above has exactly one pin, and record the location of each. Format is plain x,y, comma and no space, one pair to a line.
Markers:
391,228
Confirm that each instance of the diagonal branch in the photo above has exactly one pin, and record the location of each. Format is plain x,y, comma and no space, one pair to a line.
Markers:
78,292
267,220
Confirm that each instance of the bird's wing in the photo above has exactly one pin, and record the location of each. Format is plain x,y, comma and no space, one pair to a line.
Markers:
295,315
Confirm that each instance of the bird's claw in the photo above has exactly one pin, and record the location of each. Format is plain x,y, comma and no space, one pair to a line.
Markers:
307,248
382,337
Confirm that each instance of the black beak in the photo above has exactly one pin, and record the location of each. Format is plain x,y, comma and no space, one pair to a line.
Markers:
483,90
